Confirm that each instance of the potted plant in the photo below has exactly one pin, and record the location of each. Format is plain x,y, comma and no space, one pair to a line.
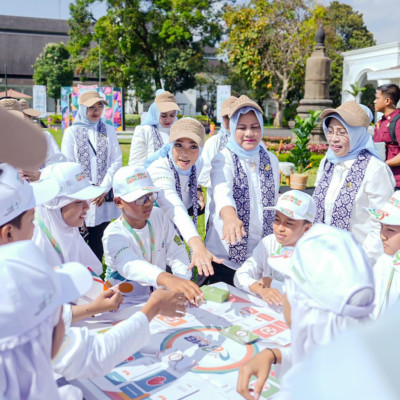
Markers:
300,154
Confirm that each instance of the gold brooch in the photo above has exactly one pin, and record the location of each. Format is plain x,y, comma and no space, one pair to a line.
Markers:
349,185
267,167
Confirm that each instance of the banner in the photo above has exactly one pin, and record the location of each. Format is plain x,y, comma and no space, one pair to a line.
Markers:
223,92
40,99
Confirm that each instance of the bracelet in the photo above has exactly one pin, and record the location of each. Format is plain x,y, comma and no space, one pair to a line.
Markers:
273,354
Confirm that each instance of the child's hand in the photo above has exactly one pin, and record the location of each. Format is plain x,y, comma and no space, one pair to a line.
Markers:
189,289
272,296
165,302
109,300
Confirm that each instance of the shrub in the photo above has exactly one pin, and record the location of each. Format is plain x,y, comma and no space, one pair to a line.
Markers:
132,119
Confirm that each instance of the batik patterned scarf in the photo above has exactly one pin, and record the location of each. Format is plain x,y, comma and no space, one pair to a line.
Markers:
343,207
157,141
224,140
193,188
241,195
82,145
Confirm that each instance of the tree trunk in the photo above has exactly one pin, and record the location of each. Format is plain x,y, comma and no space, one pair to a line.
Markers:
279,113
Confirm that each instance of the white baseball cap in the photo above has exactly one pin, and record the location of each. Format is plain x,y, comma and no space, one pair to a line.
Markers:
131,183
389,214
32,290
296,205
330,267
72,180
18,196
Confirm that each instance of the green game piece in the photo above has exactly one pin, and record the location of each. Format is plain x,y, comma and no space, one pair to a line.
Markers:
215,294
240,335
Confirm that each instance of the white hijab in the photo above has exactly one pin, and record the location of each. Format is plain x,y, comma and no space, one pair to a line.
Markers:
313,325
73,246
25,364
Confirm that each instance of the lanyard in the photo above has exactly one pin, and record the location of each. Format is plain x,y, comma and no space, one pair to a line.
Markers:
140,242
51,238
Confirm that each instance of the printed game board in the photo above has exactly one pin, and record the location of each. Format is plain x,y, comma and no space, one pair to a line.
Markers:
190,358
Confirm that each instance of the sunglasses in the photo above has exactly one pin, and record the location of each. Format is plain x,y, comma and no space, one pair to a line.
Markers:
142,200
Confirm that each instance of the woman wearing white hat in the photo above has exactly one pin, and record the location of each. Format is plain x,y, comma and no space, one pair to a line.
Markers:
93,143
352,177
244,181
153,132
321,300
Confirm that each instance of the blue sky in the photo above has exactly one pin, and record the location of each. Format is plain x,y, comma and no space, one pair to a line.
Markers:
385,27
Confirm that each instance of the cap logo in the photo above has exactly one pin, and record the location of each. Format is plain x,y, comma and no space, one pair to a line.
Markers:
136,177
393,201
379,214
13,207
80,177
289,213
285,252
292,199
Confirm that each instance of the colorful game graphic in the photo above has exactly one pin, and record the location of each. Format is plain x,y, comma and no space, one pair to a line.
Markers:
112,112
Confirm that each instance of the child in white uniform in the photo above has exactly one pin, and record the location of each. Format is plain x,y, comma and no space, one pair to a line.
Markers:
387,267
244,181
329,288
295,213
31,330
142,242
153,132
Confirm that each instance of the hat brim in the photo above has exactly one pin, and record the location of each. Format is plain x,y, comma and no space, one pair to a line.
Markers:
383,216
290,213
245,104
186,134
45,190
137,194
88,193
23,145
93,101
75,280
347,116
168,106
31,112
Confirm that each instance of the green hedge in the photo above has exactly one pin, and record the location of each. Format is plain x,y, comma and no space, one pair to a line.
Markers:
132,119
315,158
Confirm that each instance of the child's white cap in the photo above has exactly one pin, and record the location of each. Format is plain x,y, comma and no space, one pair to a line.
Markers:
32,290
72,181
296,205
131,183
389,214
330,267
18,196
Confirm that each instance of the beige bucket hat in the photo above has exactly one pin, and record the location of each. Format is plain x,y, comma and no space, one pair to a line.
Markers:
188,128
26,109
12,105
241,102
226,105
90,98
166,102
351,112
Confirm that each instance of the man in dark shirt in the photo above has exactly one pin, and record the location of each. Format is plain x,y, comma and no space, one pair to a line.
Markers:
386,99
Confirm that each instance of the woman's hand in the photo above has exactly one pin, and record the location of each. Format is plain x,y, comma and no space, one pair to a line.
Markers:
201,257
233,228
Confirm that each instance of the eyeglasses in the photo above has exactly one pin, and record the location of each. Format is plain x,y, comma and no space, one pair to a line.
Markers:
142,200
100,107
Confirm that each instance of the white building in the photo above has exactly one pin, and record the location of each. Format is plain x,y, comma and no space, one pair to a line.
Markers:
376,65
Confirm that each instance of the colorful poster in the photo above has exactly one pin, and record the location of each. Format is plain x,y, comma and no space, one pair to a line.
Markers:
40,99
112,112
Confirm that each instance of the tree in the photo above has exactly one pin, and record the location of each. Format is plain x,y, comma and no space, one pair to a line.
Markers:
345,30
53,69
145,45
356,89
267,42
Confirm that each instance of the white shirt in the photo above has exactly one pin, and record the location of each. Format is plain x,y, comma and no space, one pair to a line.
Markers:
86,354
124,255
52,147
142,145
382,273
375,190
257,267
108,210
221,194
176,209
